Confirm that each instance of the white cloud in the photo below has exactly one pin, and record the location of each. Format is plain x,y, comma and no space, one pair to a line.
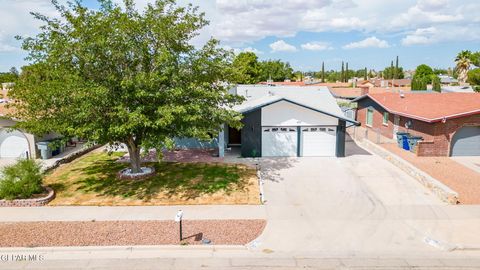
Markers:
282,46
316,46
240,50
431,35
371,42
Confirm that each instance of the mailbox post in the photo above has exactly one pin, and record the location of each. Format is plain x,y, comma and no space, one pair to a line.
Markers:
178,218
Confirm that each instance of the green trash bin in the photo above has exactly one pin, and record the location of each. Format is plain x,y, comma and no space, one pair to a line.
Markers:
400,136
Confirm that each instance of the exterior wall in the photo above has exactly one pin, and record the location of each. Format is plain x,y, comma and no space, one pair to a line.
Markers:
441,143
378,126
437,137
340,147
284,113
252,134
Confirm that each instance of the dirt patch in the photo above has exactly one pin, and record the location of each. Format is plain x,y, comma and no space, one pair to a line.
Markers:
126,233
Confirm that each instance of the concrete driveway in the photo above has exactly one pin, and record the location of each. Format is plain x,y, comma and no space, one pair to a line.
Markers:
360,205
472,162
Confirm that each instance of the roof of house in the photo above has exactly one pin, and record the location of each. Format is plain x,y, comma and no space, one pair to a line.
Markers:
457,89
430,106
315,98
351,93
289,83
396,82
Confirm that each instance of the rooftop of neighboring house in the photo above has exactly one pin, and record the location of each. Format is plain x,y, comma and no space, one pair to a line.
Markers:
287,83
351,93
428,106
457,89
305,83
396,82
447,79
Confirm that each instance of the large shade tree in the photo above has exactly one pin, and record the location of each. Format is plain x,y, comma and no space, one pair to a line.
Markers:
117,74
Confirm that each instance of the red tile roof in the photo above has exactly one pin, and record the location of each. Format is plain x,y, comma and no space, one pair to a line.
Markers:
429,107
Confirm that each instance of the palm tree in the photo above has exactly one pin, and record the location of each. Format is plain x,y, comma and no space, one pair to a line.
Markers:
463,61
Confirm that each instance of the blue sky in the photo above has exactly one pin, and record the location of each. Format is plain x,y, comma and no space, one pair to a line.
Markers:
366,33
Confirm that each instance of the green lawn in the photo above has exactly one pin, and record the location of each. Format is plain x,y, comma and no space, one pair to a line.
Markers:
91,180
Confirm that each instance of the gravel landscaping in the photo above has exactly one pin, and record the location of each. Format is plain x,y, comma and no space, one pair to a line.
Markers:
125,233
465,181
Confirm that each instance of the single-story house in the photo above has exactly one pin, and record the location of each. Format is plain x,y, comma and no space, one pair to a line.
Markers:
391,83
447,80
15,143
288,121
351,93
449,123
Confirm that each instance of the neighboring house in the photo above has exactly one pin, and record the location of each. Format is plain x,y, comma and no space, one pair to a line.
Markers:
391,83
350,93
449,123
457,89
447,80
289,83
15,143
288,121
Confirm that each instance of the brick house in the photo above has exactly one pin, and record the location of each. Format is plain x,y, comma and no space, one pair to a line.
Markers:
449,122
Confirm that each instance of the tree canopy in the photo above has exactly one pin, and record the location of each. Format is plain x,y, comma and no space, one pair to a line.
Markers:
249,70
120,75
10,76
423,76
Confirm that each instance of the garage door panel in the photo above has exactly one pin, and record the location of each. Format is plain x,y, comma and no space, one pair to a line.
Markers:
13,144
318,141
279,142
466,142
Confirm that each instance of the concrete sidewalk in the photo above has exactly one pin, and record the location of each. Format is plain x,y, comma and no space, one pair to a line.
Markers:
105,213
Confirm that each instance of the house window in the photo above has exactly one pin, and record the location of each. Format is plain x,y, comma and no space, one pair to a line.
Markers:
385,119
369,117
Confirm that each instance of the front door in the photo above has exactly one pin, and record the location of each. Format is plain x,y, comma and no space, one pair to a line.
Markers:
234,136
396,123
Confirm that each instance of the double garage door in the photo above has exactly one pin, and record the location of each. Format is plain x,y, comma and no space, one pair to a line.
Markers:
298,141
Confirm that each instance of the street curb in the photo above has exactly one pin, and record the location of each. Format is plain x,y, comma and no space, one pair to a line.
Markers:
124,248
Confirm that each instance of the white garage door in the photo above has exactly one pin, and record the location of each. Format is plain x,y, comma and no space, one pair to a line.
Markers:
279,142
13,144
318,141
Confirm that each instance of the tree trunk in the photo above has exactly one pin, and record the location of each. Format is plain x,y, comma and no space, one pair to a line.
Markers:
134,152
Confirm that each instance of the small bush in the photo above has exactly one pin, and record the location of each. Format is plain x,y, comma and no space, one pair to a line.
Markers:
21,180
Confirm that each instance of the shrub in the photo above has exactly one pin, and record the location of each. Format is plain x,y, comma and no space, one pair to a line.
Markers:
21,180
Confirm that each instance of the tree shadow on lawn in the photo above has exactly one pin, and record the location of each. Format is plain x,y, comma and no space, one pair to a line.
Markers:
186,180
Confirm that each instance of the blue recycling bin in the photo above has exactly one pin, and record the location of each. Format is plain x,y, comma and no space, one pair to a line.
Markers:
400,138
405,144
